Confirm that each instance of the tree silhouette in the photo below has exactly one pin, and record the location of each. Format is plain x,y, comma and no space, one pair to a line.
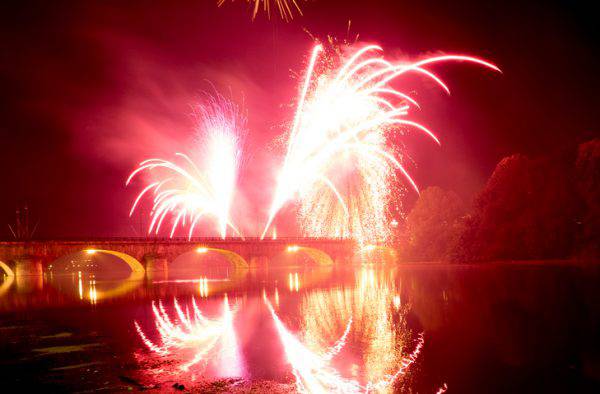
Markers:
529,209
434,224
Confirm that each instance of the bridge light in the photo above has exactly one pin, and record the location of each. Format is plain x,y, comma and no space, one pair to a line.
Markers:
90,251
293,248
202,249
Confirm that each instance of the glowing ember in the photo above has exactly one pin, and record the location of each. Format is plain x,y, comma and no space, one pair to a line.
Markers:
285,7
313,372
338,164
193,338
189,193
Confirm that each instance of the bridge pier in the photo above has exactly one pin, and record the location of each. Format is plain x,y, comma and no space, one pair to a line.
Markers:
29,273
155,264
259,261
28,266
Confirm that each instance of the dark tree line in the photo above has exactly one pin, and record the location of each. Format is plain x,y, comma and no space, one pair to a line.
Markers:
530,208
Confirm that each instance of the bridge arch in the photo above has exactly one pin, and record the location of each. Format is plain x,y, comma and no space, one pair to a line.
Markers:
234,258
6,284
7,270
131,261
317,255
8,281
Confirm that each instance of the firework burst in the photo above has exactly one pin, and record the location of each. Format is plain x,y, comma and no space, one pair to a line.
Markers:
314,373
188,192
191,338
285,8
338,163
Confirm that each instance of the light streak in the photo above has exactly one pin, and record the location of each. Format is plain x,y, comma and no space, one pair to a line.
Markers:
230,358
338,164
404,365
314,373
203,287
286,8
190,191
294,282
80,285
379,330
93,294
191,338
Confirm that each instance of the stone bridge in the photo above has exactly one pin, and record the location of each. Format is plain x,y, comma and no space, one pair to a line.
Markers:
30,258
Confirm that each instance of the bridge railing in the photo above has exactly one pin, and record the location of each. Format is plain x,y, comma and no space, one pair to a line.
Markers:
180,240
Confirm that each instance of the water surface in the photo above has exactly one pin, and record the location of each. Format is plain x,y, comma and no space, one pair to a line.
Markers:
499,328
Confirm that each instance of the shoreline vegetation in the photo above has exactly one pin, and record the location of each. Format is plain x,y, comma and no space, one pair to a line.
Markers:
542,208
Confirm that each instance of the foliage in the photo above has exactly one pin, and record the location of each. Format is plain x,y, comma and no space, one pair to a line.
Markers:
434,224
530,208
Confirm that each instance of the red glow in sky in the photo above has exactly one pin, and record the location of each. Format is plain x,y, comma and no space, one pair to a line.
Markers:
91,89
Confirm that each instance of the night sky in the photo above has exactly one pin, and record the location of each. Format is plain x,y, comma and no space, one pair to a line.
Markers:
91,88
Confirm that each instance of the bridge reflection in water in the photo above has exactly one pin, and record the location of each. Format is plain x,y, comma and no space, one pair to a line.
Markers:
471,316
99,270
96,274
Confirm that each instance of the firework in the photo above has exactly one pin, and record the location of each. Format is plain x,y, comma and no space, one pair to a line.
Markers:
189,192
192,338
286,8
314,373
337,163
379,326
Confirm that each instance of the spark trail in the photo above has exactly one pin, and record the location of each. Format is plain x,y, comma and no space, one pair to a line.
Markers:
191,338
190,192
338,164
314,373
286,8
